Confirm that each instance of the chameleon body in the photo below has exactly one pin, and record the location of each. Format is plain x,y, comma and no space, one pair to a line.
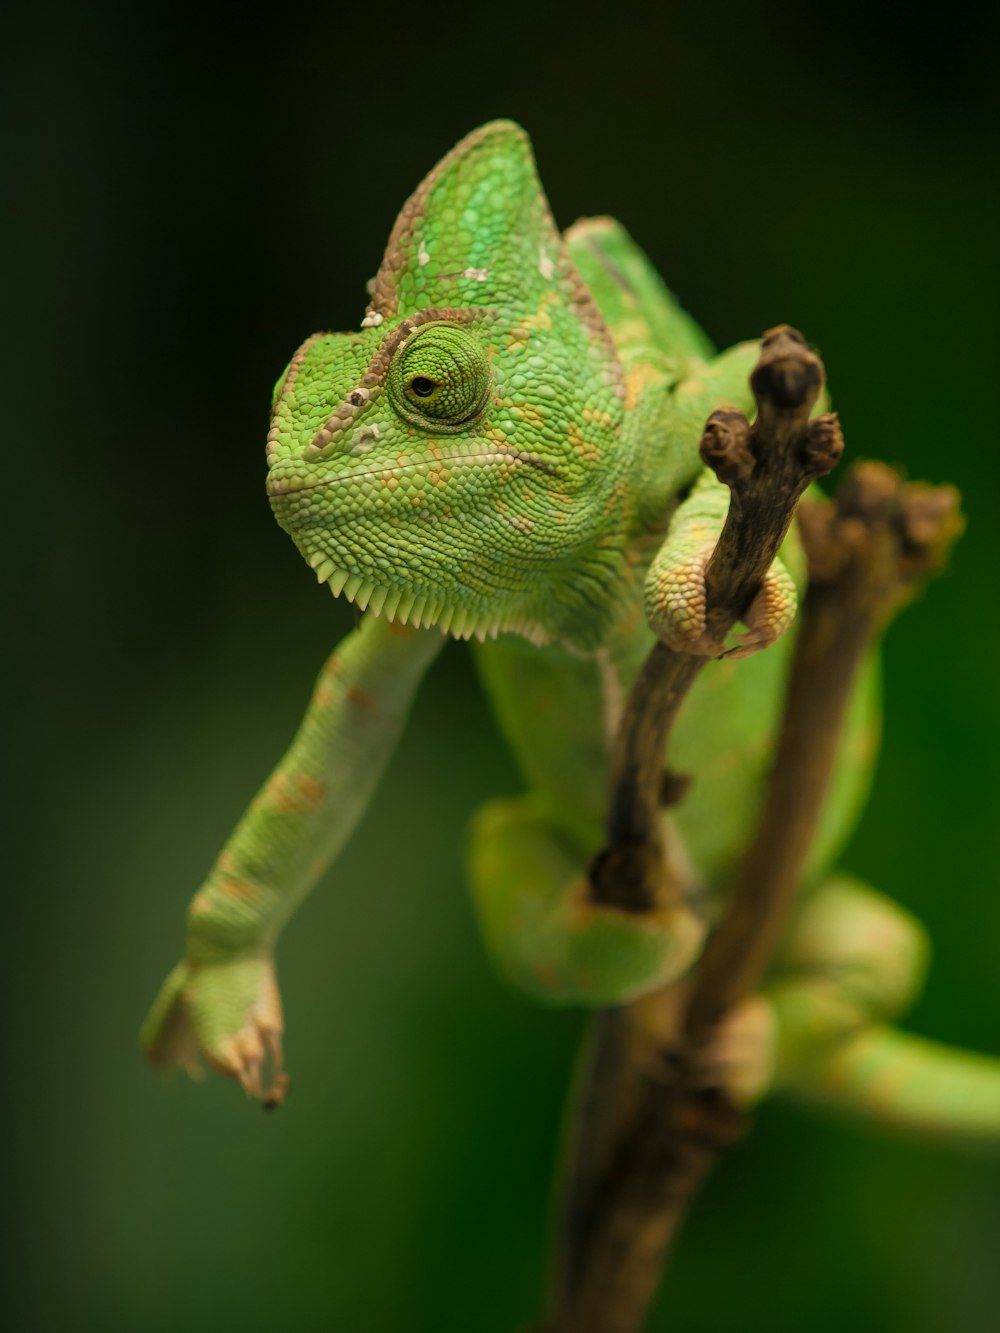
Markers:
507,450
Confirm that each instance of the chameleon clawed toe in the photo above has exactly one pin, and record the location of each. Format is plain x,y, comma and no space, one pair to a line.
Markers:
676,599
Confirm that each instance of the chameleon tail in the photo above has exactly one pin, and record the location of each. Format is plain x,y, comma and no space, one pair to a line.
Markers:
911,1085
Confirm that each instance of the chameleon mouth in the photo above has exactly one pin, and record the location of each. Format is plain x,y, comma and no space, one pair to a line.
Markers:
281,486
422,610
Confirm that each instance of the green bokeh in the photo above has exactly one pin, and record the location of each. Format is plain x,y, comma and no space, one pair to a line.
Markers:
192,199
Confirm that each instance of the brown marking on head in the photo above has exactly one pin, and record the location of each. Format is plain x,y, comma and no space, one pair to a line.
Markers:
200,904
385,294
586,310
366,391
294,366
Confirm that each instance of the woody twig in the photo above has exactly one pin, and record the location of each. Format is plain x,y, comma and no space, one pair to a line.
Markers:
649,1127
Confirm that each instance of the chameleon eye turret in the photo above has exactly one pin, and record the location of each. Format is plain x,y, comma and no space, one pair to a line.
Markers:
451,461
440,378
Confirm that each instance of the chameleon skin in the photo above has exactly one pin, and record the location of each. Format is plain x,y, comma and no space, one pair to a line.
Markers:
508,449
222,1000
906,1084
675,584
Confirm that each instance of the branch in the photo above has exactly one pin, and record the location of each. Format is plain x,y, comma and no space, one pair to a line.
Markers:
867,555
767,466
650,1129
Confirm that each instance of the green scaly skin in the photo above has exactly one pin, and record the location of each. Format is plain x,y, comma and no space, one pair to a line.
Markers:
508,449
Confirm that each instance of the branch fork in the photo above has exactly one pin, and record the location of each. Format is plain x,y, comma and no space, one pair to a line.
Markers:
650,1124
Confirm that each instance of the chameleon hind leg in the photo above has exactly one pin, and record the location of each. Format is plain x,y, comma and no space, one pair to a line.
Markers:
530,890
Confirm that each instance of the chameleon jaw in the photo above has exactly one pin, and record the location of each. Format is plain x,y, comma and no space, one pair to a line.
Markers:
420,610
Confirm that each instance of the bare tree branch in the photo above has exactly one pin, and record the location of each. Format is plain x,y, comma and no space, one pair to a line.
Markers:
648,1128
767,466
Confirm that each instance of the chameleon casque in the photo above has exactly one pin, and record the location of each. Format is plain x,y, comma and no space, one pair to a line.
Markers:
507,450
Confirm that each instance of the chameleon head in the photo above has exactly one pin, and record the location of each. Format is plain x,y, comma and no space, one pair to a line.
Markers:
454,463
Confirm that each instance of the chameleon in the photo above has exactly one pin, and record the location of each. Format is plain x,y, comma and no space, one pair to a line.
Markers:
506,452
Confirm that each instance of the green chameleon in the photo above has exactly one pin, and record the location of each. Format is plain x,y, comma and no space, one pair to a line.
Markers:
508,451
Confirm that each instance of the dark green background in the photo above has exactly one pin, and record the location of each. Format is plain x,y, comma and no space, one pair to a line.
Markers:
186,199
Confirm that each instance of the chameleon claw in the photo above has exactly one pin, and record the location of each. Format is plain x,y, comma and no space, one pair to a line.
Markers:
741,1055
257,1052
228,1014
768,615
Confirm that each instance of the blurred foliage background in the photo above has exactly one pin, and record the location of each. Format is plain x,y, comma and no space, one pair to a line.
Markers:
188,195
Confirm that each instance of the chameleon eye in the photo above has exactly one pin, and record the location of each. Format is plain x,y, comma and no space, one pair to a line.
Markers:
439,379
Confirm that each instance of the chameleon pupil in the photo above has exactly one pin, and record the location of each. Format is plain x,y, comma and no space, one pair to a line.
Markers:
440,378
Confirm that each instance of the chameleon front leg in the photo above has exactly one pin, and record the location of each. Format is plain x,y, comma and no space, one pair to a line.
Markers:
222,1001
545,935
674,595
675,598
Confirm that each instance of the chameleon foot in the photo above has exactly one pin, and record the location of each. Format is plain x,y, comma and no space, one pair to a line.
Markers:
229,1013
740,1057
544,932
675,608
